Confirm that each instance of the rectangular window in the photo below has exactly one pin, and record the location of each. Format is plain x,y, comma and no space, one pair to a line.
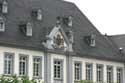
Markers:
23,65
2,26
109,74
99,72
119,75
8,63
58,69
77,67
89,72
37,66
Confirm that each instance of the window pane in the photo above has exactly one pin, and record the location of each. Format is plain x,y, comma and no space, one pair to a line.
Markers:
99,70
89,72
23,65
8,63
119,75
57,69
109,74
37,67
77,67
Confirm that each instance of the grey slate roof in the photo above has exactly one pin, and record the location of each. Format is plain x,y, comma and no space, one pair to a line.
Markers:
119,41
20,10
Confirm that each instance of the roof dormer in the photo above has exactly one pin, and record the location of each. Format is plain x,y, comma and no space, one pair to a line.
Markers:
26,28
4,7
2,25
90,40
67,20
29,29
37,14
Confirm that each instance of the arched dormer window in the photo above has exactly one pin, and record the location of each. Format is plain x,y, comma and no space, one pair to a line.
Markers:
4,7
2,25
29,29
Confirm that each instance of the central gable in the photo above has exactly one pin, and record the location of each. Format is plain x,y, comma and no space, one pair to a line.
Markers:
57,39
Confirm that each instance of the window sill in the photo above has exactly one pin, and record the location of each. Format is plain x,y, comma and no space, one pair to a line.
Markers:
8,75
35,77
58,79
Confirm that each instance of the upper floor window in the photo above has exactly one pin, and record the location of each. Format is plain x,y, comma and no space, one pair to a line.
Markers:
77,70
37,67
89,72
8,63
119,75
58,69
99,70
2,24
109,74
23,65
5,7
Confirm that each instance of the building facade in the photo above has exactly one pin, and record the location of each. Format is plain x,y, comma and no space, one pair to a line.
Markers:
51,41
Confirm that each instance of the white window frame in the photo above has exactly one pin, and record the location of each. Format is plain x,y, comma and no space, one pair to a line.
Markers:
119,75
29,29
37,71
8,63
5,7
99,73
57,66
89,71
109,74
21,66
77,71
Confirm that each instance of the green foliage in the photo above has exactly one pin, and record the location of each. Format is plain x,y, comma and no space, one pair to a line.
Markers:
15,79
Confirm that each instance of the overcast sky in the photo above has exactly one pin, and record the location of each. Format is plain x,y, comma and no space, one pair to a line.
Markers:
108,16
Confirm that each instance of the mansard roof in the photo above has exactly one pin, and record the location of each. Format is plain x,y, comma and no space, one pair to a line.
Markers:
20,11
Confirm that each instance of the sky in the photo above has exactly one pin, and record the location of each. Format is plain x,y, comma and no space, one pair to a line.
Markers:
108,16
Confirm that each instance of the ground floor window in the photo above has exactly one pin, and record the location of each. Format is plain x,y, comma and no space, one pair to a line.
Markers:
89,72
37,67
8,63
23,65
58,69
109,74
77,70
99,72
119,75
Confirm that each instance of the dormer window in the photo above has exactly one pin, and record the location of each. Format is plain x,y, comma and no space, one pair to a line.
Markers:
4,7
2,25
26,28
29,29
37,14
67,21
70,21
92,42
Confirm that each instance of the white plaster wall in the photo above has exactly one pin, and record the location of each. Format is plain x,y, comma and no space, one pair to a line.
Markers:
62,57
94,62
18,51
